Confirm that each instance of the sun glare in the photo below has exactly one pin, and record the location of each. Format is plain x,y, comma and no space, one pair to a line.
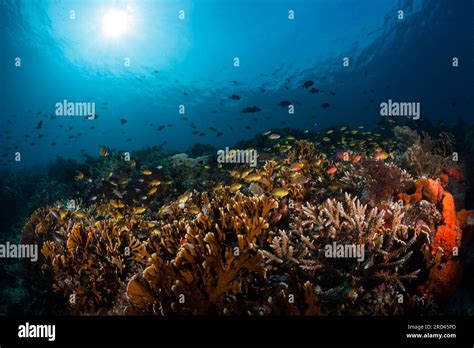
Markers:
116,23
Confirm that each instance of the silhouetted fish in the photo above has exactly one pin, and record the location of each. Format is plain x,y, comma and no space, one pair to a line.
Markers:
325,105
285,103
39,125
160,128
308,84
314,90
53,143
234,97
333,93
219,134
248,127
251,109
123,121
196,132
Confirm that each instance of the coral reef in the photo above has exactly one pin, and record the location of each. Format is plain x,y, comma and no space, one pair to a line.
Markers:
311,230
422,156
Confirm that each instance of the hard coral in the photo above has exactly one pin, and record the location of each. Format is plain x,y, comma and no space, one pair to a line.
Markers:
214,267
348,281
88,256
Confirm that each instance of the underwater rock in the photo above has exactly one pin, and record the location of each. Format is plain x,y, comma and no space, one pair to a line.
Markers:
184,159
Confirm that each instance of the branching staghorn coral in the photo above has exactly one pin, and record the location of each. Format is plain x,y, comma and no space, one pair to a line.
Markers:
387,243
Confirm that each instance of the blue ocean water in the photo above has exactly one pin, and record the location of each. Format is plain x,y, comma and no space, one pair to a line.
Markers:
171,53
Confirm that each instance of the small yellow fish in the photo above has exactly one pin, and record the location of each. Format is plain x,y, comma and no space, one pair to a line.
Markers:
116,205
326,139
80,214
103,152
235,187
279,192
194,210
118,215
330,131
334,186
152,191
156,232
253,177
147,172
274,136
355,131
138,210
79,176
183,198
246,173
299,180
155,183
123,182
343,128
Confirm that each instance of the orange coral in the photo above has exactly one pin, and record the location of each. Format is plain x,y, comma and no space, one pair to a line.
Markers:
446,234
463,216
445,278
455,173
429,189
